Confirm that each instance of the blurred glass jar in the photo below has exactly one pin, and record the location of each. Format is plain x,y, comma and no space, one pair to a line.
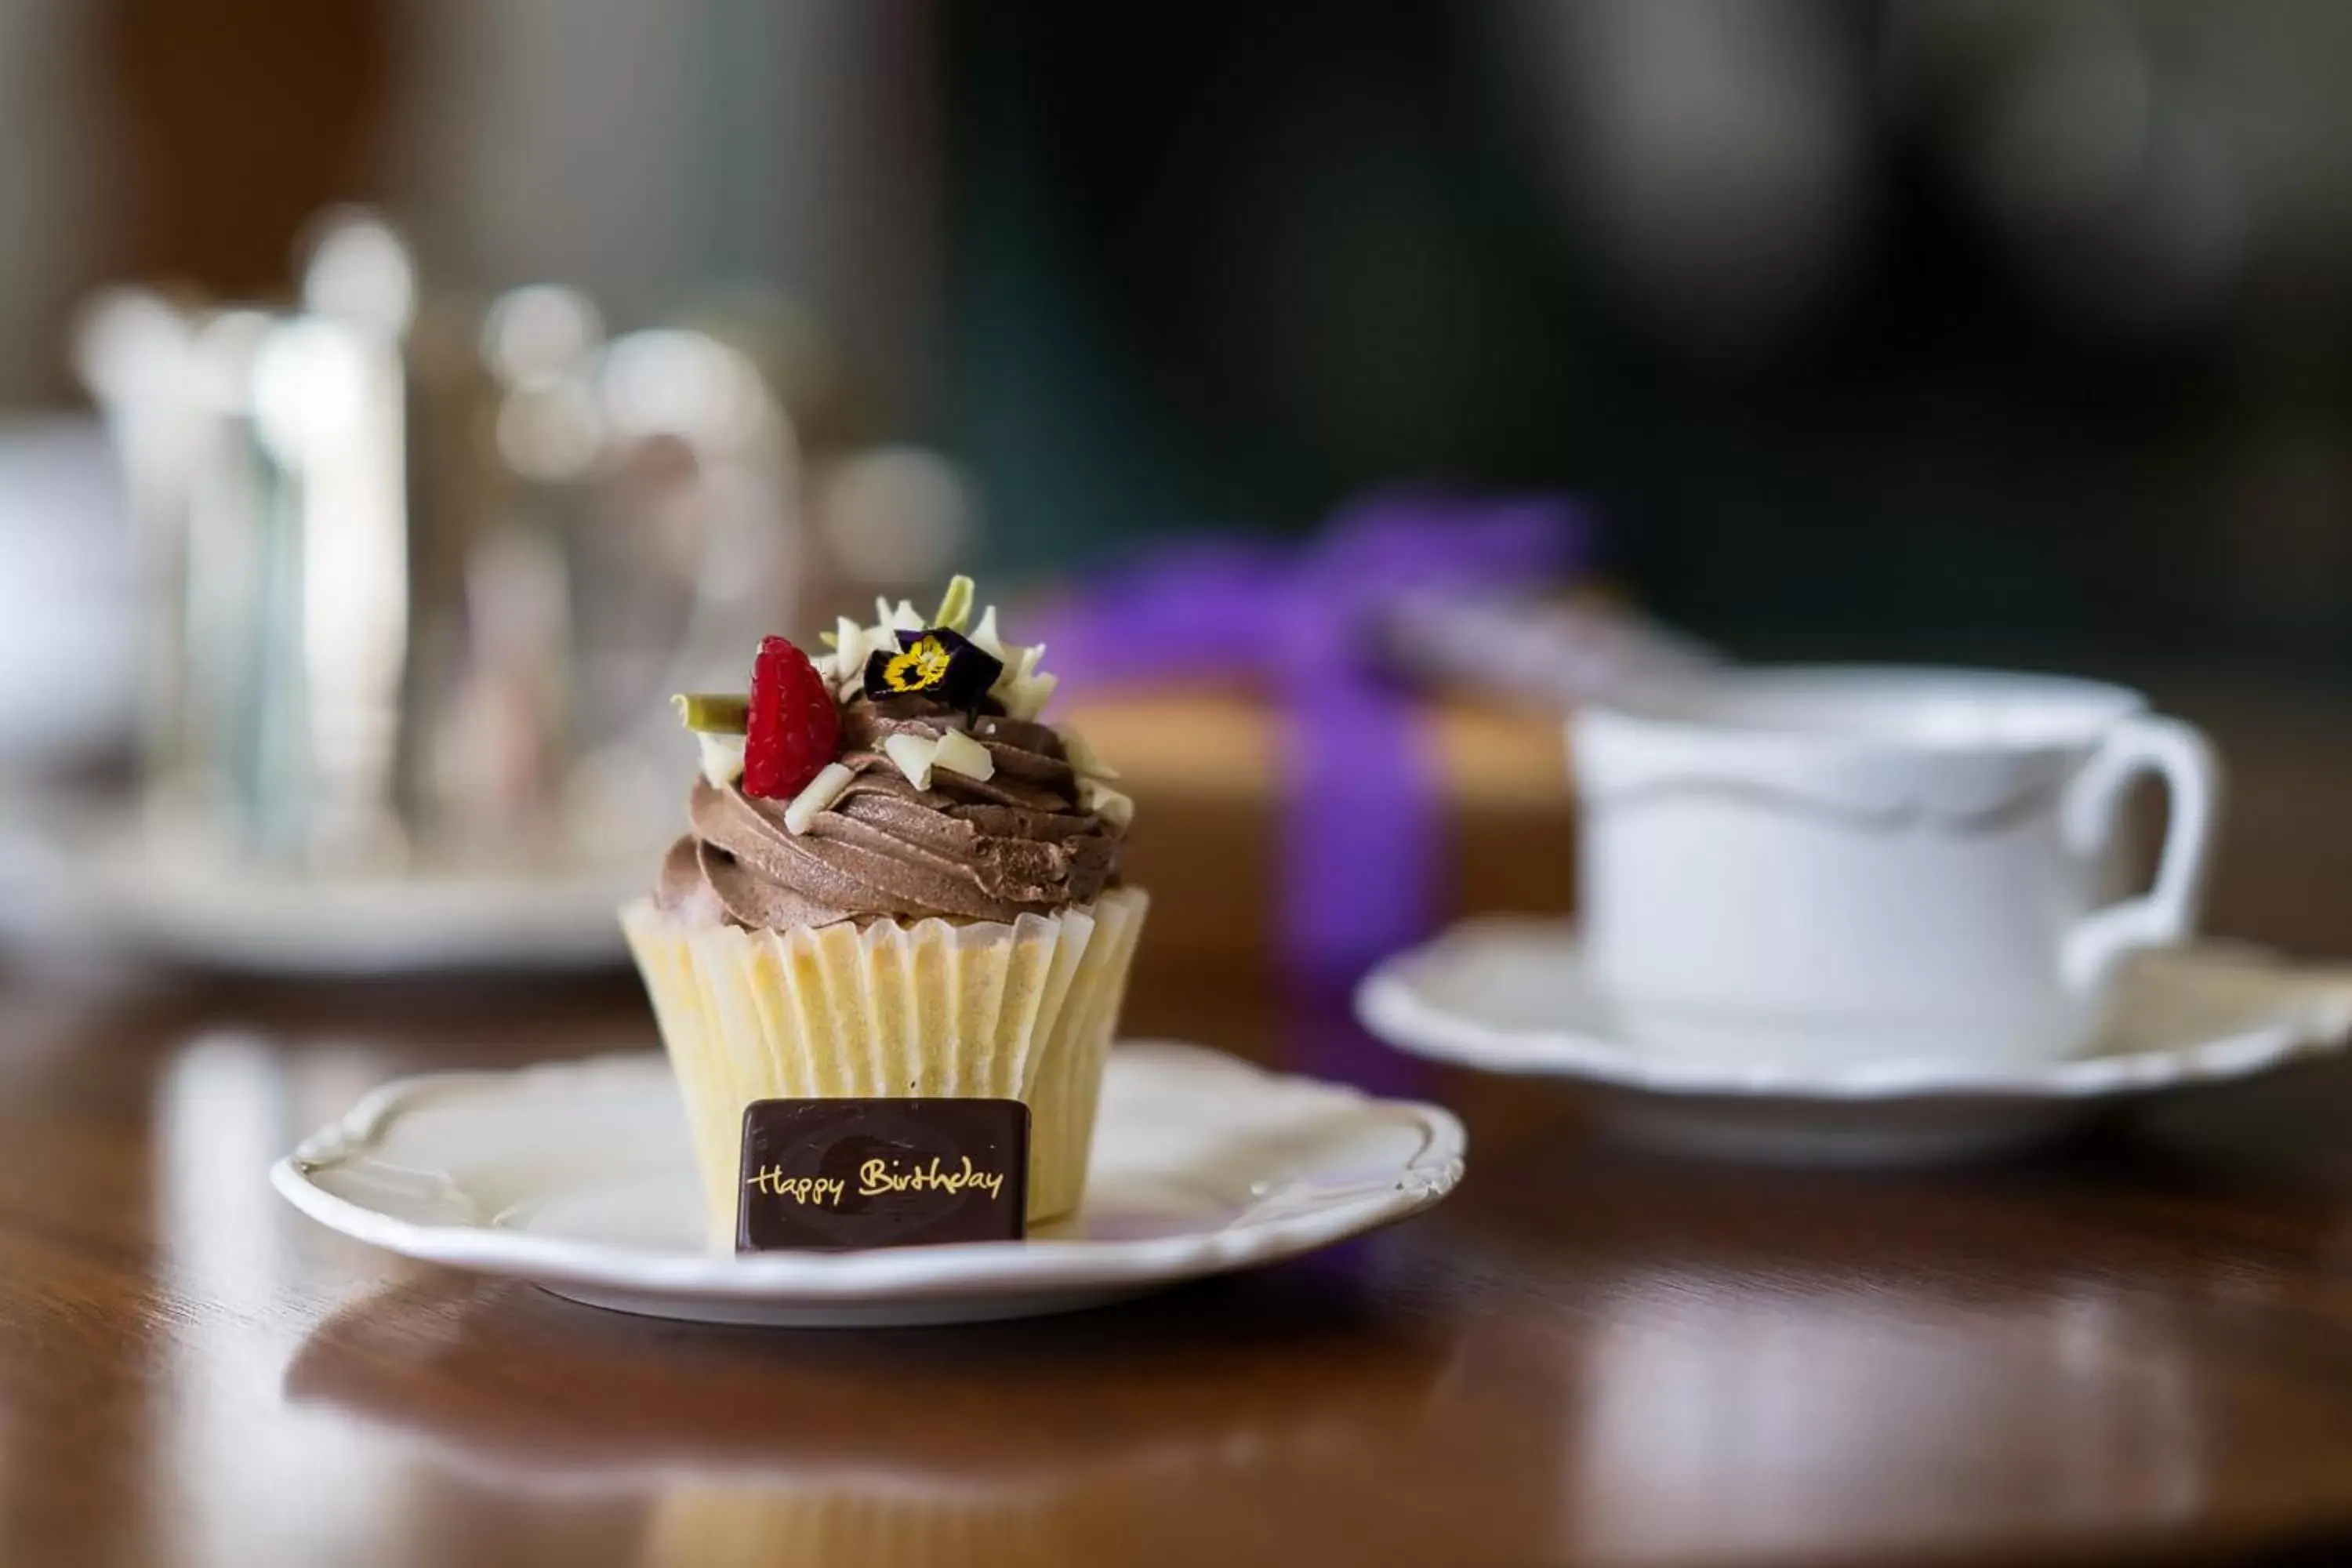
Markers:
417,575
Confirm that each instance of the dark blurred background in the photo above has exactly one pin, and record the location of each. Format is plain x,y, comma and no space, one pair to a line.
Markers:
2003,328
2008,331
1989,328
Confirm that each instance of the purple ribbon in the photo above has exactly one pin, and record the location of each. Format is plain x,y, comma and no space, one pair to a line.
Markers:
1364,858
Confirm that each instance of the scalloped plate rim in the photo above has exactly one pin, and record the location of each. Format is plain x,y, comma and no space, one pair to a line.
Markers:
989,1271
1391,1004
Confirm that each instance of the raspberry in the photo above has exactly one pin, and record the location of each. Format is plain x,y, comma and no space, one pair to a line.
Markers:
794,729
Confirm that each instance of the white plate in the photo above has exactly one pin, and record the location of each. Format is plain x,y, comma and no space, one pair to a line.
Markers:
1509,996
372,925
96,883
578,1176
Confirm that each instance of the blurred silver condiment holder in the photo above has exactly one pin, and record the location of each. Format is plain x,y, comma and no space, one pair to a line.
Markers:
418,574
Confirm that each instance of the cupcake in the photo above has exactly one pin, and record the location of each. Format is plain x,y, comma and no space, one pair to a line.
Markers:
895,881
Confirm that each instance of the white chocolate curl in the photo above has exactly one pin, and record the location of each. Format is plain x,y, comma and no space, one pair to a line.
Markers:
1023,688
1107,803
820,792
914,755
983,636
1027,698
960,753
722,758
849,647
1082,757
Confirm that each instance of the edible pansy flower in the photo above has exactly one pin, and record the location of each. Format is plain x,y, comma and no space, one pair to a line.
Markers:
920,666
933,662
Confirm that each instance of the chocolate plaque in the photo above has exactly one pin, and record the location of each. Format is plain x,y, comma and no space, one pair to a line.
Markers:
837,1174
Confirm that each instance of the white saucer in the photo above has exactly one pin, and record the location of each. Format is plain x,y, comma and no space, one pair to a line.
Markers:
97,883
360,926
578,1177
1509,996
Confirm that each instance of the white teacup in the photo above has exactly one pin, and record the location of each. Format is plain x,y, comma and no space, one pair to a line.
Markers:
1818,865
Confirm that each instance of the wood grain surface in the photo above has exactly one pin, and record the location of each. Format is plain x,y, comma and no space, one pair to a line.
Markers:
2136,1348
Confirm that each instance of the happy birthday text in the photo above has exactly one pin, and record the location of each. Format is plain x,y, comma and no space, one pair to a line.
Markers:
876,1178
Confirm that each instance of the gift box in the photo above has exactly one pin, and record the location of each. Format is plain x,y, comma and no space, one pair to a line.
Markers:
1354,860
1337,744
1212,771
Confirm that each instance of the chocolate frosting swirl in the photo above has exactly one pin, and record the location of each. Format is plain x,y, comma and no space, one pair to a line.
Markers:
1017,843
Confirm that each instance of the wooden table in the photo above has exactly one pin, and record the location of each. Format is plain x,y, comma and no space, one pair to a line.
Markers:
2126,1350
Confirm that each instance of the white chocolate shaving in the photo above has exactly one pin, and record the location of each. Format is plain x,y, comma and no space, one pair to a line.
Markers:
1023,688
723,757
914,755
960,753
848,649
983,636
1107,803
955,605
1083,759
820,792
1026,697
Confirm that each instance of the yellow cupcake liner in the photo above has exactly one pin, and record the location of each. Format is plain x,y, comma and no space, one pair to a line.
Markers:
1021,1011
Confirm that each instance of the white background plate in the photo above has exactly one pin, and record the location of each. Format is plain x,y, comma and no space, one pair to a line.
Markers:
578,1176
1509,996
97,882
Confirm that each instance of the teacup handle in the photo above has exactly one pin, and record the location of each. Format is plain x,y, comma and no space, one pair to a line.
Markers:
2166,914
